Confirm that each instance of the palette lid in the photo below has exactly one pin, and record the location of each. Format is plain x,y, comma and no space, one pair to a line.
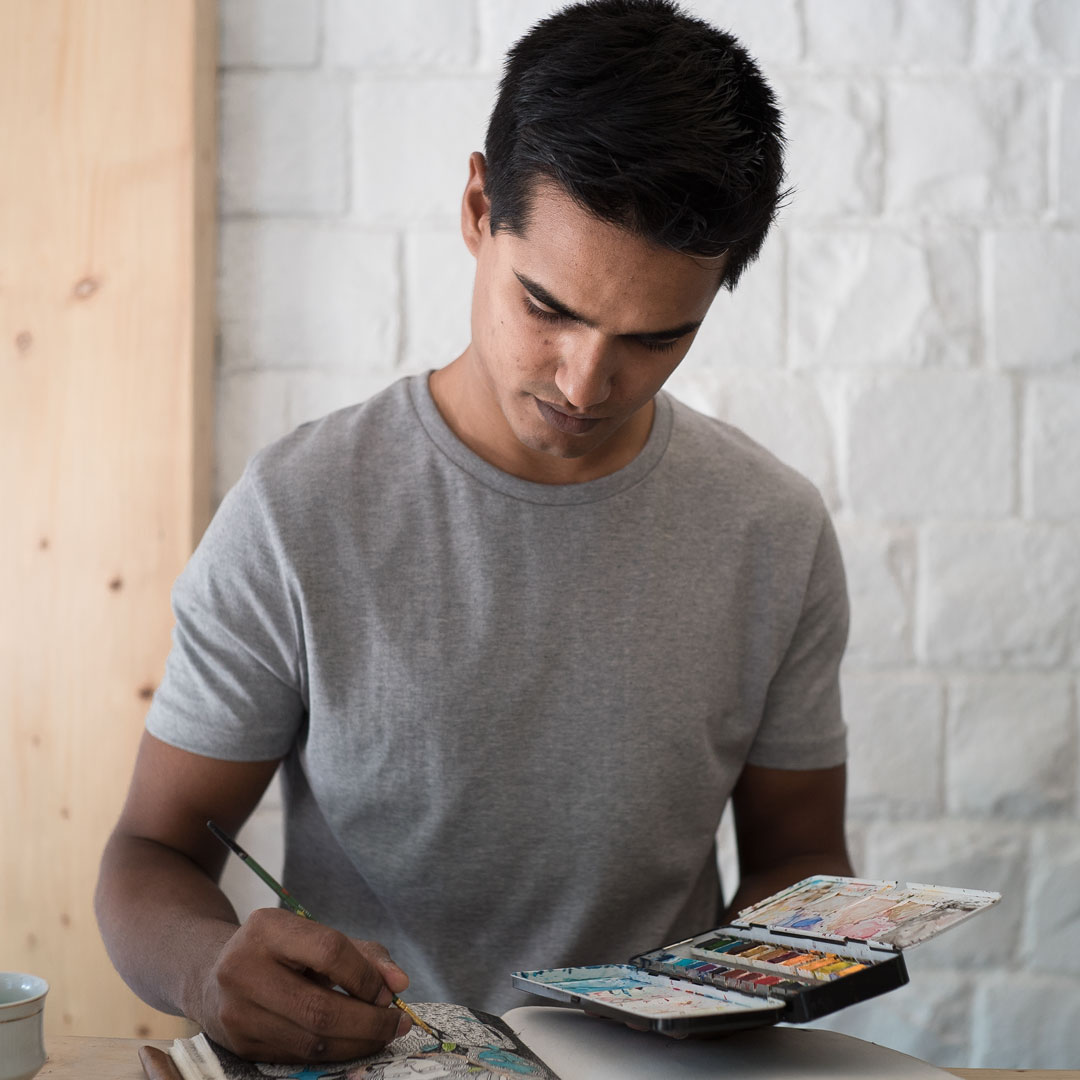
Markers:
889,913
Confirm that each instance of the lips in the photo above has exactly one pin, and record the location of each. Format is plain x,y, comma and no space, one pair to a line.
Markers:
566,422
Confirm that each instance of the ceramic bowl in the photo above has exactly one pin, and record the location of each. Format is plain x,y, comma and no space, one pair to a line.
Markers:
22,1008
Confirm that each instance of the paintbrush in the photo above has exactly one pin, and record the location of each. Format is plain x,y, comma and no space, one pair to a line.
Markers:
294,905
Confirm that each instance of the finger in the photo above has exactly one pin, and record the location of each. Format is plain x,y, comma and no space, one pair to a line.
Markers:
330,1012
270,1036
380,958
326,1013
301,944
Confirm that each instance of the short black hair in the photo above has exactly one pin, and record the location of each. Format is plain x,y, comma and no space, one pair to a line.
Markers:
648,118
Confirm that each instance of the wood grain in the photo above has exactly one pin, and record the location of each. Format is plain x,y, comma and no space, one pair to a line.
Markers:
106,280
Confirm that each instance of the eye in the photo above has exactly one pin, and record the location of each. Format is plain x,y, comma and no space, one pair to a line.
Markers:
659,346
652,344
540,313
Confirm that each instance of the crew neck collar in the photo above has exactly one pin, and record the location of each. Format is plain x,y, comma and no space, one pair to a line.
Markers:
602,487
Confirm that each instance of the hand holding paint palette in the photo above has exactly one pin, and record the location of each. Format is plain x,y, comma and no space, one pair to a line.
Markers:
809,950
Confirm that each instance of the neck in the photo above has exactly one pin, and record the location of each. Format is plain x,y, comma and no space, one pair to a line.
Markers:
469,407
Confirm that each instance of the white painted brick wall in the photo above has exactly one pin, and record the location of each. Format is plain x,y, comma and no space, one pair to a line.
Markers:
283,143
1054,892
930,443
306,294
835,149
880,566
1011,746
884,298
895,744
1052,466
853,33
1000,595
1012,1014
968,147
419,34
774,26
268,33
752,333
1067,131
933,1012
1028,33
439,275
909,340
1035,298
411,141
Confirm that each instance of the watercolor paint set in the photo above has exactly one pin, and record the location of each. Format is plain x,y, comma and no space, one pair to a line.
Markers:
818,946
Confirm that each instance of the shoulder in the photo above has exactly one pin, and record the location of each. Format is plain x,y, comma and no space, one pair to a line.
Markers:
332,439
338,453
715,462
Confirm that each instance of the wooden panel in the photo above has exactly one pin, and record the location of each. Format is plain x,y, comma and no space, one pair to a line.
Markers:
106,279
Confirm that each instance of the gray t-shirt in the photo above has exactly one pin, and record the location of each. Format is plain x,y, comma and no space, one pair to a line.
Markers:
510,713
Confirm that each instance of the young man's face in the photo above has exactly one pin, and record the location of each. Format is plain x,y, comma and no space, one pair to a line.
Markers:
575,327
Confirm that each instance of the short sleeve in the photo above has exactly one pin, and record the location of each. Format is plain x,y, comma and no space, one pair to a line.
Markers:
232,687
803,726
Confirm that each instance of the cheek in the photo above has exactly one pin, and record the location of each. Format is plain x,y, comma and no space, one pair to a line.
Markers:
649,373
531,346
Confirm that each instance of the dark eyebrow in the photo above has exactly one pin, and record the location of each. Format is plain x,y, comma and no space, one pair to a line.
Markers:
540,293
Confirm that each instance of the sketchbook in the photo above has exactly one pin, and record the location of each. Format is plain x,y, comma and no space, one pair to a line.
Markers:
467,1044
585,1049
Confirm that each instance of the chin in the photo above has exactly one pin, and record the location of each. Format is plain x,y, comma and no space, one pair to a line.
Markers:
561,447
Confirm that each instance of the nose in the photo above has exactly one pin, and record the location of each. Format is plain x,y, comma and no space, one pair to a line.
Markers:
585,373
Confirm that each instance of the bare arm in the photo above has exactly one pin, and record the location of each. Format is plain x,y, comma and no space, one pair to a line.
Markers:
789,824
263,989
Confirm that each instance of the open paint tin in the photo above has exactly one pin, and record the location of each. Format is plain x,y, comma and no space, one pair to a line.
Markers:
818,946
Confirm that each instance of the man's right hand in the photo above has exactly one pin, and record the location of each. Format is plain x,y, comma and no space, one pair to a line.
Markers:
264,989
269,996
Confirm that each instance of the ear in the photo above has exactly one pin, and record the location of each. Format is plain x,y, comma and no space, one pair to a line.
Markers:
475,208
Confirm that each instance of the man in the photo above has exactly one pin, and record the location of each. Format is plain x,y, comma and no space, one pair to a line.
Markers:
515,631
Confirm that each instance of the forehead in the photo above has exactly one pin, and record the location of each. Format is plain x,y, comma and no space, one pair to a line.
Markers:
606,272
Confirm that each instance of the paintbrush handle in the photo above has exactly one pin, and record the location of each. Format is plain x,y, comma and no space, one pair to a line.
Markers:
395,1000
284,895
157,1064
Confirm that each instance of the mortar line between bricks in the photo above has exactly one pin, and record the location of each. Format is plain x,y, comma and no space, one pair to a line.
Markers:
885,102
945,703
782,238
1023,476
475,36
299,219
1074,683
800,29
987,341
350,149
1055,125
320,36
403,300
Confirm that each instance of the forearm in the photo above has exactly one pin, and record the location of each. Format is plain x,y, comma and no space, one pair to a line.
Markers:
757,885
163,920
